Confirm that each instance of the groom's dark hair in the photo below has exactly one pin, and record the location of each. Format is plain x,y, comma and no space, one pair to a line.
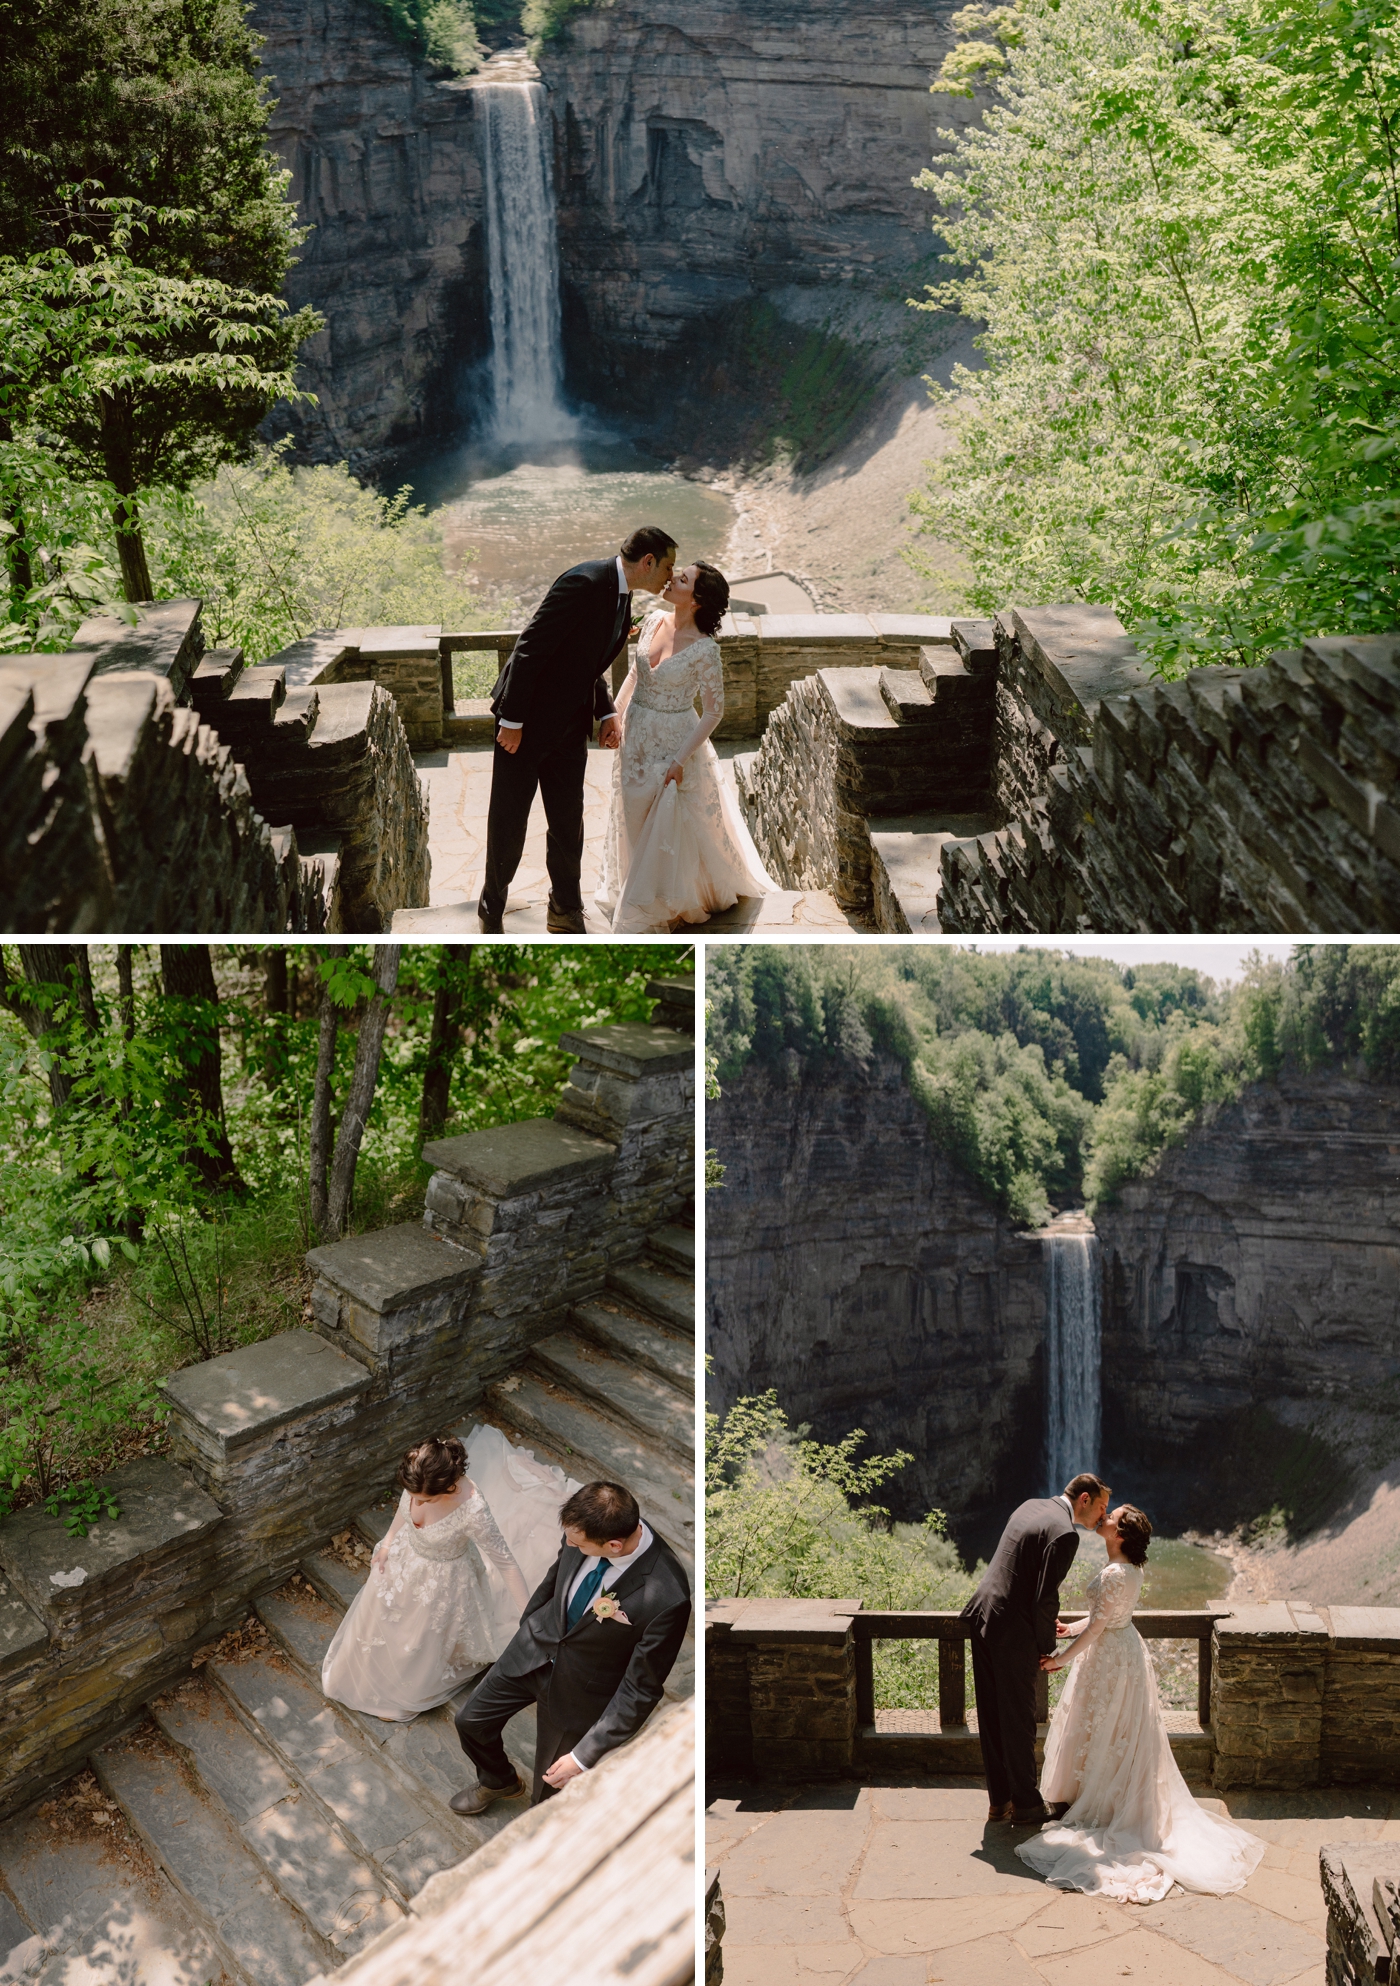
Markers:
602,1511
1085,1485
647,541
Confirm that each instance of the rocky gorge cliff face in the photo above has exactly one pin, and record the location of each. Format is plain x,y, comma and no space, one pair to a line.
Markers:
1251,1350
711,154
386,170
710,161
851,1265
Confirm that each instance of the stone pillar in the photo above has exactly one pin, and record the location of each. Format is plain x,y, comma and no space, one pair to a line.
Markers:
675,1002
728,1729
1266,1694
802,1686
532,1202
1361,1708
635,1086
1357,1944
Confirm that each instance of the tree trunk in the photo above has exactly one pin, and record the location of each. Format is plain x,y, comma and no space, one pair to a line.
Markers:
188,974
275,1006
126,993
442,1044
126,516
319,1151
53,965
357,1105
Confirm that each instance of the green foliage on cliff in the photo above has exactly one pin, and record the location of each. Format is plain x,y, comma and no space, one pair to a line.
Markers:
542,20
1180,226
441,31
788,1516
1052,1079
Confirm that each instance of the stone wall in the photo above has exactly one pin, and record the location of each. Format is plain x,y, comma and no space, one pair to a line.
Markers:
854,1267
157,786
276,1445
121,811
852,745
1233,800
1300,1696
1255,1270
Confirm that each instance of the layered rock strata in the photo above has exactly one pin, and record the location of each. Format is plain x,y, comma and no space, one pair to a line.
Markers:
708,157
386,172
1256,1268
852,1266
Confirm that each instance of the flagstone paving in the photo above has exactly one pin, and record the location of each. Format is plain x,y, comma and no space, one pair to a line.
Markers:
907,1885
459,793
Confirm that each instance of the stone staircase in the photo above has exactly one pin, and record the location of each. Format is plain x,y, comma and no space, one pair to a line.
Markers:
890,763
245,1829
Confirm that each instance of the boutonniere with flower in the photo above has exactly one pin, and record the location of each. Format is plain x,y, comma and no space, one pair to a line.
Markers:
606,1608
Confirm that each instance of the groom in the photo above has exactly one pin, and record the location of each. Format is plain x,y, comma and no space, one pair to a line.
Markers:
595,1645
545,700
1014,1617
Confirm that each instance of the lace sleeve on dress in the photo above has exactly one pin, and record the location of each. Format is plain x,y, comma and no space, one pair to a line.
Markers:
1111,1605
487,1538
624,695
708,669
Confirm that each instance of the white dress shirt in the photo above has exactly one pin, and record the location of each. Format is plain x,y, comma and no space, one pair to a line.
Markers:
517,724
616,1566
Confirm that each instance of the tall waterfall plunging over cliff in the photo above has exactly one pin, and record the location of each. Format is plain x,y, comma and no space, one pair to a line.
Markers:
1071,1357
526,366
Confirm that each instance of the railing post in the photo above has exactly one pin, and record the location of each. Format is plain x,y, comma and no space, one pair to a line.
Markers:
445,655
952,1684
865,1681
1203,1683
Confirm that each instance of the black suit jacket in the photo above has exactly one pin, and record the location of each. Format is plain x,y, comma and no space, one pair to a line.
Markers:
556,675
1020,1593
608,1675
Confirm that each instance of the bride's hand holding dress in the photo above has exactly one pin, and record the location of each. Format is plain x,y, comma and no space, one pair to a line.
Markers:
676,848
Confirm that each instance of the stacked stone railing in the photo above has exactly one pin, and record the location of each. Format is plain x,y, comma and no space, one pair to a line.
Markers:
1290,1695
1032,776
153,786
272,1447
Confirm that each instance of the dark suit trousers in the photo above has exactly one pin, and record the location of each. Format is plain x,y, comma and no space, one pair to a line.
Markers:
1003,1676
555,770
481,1721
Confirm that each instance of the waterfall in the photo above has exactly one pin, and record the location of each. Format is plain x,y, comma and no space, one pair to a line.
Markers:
523,264
1071,1357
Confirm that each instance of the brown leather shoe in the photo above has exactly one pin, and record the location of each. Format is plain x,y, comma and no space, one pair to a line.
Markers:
557,919
1030,1816
476,1799
1001,1813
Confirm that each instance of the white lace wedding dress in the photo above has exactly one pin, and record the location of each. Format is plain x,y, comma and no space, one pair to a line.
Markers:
1132,1829
442,1609
673,854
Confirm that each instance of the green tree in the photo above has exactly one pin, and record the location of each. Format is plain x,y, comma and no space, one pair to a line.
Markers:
133,378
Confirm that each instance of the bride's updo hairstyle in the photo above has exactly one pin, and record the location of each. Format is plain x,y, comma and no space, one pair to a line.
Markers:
433,1467
1134,1534
711,596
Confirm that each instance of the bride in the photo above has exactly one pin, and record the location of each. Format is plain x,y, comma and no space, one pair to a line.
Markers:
676,848
450,1579
1126,1824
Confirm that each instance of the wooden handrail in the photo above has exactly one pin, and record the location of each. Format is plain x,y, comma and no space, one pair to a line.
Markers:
952,1632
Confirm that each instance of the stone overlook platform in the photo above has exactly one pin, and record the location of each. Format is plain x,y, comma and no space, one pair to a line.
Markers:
851,1844
181,1804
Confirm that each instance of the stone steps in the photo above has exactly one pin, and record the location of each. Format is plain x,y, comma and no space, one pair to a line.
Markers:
86,1906
625,1388
271,1835
670,1299
622,1330
906,871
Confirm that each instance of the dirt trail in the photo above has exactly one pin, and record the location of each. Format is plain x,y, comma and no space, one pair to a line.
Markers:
1353,1561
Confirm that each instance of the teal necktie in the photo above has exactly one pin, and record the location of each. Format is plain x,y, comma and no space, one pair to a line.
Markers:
588,1586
